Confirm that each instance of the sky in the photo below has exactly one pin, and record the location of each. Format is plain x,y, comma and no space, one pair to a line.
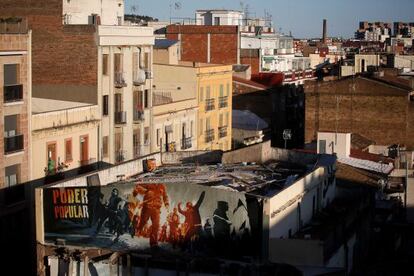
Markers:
302,17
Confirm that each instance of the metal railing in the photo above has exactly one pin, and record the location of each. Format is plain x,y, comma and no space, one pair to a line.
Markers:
87,162
186,143
119,80
223,102
209,135
120,117
13,144
120,156
138,115
210,104
222,131
13,93
149,75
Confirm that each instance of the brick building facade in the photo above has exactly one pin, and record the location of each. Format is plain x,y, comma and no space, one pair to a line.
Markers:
209,44
64,57
376,109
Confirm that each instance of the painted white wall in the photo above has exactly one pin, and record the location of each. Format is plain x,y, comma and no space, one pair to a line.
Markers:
227,18
339,143
111,12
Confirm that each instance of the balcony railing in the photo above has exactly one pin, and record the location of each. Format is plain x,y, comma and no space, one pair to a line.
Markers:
138,115
120,117
210,104
209,135
13,93
149,75
13,144
223,102
120,156
171,147
222,131
139,77
119,80
186,143
87,162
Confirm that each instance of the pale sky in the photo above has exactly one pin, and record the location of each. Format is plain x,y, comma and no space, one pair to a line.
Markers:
302,17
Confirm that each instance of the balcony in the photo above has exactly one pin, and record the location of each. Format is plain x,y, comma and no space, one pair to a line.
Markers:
139,77
149,75
87,162
186,143
223,102
210,104
13,93
13,144
138,115
222,131
171,147
119,80
120,156
209,135
120,117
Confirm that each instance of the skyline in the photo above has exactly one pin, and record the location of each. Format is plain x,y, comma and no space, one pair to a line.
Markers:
343,16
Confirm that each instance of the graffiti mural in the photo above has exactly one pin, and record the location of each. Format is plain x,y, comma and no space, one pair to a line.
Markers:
145,216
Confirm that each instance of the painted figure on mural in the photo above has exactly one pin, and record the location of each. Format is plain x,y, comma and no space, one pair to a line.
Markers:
221,221
110,212
192,216
155,196
174,222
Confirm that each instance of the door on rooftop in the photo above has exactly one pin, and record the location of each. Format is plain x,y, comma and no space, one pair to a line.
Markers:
322,146
216,21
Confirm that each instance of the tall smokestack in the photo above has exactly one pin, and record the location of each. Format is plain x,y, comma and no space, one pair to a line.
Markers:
324,32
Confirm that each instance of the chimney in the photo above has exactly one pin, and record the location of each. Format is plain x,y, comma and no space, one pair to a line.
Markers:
324,32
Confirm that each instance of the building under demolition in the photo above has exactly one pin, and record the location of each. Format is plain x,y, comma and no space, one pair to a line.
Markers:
208,206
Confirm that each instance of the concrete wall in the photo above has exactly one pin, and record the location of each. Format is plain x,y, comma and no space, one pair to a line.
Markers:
404,62
287,251
339,143
79,11
368,60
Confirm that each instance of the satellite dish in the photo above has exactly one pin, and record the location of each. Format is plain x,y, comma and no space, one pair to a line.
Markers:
177,5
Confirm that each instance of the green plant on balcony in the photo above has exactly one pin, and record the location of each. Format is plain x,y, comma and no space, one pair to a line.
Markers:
52,169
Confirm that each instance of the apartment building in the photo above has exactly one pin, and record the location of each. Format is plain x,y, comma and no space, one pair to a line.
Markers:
15,93
64,136
175,108
84,53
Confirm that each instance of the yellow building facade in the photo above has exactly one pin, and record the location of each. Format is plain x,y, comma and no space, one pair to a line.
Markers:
215,107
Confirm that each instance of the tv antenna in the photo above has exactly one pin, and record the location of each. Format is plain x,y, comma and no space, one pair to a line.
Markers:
176,6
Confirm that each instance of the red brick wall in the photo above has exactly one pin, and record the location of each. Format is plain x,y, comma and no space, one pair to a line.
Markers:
254,63
377,111
60,54
194,42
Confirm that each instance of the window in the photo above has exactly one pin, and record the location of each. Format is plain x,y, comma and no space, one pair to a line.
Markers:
322,146
105,64
118,103
146,136
105,105
146,98
201,94
200,127
11,74
221,90
11,175
227,119
68,150
191,128
105,149
117,63
228,90
220,120
208,92
147,61
158,137
208,124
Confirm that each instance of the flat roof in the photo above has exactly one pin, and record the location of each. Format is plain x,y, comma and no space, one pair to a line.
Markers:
263,180
42,105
